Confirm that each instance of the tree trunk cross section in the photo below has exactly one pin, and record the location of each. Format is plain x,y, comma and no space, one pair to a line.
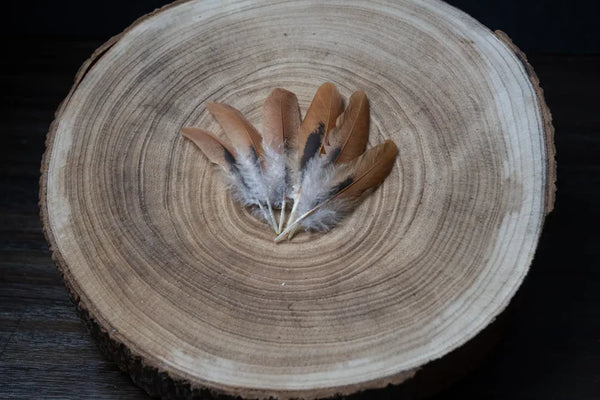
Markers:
189,292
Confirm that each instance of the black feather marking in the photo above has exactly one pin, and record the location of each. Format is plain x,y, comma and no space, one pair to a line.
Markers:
230,159
234,168
313,145
341,186
334,190
333,155
287,178
253,155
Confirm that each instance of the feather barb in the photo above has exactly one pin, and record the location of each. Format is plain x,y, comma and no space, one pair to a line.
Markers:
281,119
242,134
349,139
213,148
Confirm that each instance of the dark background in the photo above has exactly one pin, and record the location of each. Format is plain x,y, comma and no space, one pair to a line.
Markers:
545,26
550,342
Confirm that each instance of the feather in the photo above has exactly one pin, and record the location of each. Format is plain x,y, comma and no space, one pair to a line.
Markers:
320,118
214,149
324,110
318,162
241,160
339,188
281,121
371,169
244,137
221,154
247,143
349,139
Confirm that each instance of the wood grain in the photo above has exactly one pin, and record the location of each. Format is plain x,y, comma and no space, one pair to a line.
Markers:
185,283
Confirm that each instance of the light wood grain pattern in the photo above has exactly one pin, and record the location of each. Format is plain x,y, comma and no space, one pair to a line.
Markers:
186,282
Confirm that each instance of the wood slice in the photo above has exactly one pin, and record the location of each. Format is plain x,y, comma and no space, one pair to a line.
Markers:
190,293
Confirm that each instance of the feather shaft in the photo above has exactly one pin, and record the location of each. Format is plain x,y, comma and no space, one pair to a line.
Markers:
291,229
282,214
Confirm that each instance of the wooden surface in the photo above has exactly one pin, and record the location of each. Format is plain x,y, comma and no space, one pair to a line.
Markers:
550,349
176,278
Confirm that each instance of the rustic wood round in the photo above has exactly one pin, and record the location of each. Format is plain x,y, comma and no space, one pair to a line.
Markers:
186,288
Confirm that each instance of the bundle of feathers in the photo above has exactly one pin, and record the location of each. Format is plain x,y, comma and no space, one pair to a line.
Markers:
318,167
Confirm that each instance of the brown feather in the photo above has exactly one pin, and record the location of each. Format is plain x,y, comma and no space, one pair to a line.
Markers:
370,170
242,134
281,119
326,106
213,148
352,130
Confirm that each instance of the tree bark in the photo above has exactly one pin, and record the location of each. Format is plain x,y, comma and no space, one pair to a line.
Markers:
189,293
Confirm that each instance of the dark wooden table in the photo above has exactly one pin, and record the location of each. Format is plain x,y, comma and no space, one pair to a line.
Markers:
551,345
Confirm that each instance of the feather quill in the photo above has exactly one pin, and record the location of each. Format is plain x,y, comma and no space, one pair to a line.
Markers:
320,118
339,188
281,121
